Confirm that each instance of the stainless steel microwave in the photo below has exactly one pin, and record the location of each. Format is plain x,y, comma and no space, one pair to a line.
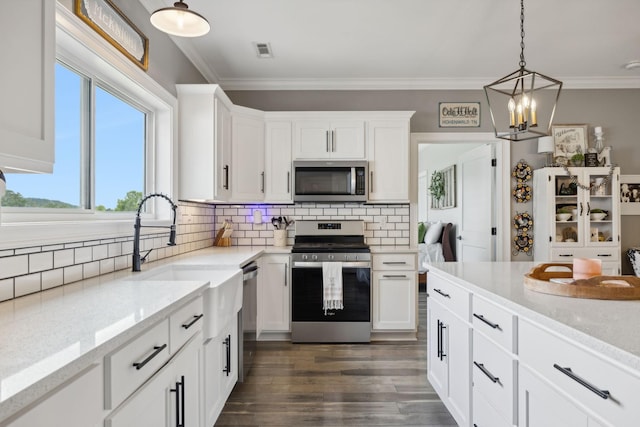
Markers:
330,181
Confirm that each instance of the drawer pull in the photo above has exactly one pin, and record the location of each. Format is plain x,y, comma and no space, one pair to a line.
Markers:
179,391
442,293
195,319
157,349
394,262
605,254
394,276
486,372
566,255
568,372
441,327
481,317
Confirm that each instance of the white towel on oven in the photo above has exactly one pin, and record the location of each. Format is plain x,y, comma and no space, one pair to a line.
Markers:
332,286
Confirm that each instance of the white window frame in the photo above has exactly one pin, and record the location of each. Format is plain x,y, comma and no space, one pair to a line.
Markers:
83,49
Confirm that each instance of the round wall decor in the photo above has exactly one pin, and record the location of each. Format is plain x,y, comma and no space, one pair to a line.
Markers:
523,221
522,192
522,172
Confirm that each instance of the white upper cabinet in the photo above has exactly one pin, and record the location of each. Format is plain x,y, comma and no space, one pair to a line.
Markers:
388,155
278,161
27,82
329,137
204,143
247,155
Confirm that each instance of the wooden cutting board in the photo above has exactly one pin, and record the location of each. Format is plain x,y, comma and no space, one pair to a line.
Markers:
540,279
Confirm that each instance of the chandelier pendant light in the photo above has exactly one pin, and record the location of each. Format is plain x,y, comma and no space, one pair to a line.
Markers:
180,21
523,103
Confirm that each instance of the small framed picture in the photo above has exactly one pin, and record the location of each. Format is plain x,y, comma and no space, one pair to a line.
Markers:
629,194
569,140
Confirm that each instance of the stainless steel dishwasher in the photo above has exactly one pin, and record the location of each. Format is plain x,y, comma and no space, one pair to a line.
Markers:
247,320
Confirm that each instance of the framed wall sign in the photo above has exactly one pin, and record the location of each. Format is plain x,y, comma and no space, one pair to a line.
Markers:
108,21
629,194
569,140
459,114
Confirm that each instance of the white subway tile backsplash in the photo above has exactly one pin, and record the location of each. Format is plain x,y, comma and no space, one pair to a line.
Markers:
40,261
82,255
100,252
72,273
14,266
28,284
23,251
90,269
63,258
6,289
107,266
52,278
114,250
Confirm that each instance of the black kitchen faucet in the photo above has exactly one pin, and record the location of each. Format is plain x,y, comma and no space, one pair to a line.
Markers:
137,260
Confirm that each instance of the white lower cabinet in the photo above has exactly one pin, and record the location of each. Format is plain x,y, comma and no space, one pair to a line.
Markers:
220,370
170,398
274,295
394,292
77,403
449,346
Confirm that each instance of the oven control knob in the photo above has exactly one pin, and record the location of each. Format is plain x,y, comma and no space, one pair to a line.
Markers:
314,257
305,257
331,257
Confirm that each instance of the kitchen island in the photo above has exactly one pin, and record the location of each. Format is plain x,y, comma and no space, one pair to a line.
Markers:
499,353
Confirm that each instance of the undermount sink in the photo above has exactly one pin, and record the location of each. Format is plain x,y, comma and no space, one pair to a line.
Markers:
222,299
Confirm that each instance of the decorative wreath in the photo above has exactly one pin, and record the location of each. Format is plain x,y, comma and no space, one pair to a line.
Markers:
522,171
523,222
523,242
522,193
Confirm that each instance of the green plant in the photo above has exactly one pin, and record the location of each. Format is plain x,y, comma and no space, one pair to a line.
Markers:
577,159
596,210
564,209
437,185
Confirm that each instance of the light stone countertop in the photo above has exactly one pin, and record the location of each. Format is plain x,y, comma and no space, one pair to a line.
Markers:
49,337
605,326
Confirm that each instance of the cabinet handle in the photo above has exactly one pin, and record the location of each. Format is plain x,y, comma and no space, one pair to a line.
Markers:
588,208
442,293
327,136
286,276
157,349
227,343
565,255
581,208
486,372
370,181
394,262
441,327
179,391
333,141
605,255
568,372
195,319
226,177
481,317
288,182
396,276
262,179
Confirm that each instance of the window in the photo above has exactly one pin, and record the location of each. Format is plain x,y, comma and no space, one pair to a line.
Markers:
100,151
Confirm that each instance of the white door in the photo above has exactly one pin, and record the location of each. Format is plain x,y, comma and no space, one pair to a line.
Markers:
475,240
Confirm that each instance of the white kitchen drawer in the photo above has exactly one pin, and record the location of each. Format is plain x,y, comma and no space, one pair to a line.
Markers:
394,262
132,364
485,415
545,352
494,373
185,323
495,322
450,295
567,254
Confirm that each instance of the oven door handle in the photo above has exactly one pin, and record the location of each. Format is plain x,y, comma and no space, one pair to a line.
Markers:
315,264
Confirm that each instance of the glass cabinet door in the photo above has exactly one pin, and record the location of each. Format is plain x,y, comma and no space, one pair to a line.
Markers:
567,211
601,207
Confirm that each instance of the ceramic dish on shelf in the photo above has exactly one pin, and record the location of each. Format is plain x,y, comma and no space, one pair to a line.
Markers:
597,216
563,217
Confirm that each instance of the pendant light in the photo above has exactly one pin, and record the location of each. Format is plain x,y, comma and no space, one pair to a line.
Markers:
180,21
523,103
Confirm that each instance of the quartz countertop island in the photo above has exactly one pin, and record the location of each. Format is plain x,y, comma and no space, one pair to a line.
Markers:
606,326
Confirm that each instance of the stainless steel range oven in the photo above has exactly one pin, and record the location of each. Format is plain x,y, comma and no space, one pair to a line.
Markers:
340,247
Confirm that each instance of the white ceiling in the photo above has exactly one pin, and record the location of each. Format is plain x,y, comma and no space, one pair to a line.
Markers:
412,44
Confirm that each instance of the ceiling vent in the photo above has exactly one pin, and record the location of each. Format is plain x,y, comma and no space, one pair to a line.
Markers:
263,50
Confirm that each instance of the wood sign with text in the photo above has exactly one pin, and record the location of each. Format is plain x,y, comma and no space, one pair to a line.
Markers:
459,114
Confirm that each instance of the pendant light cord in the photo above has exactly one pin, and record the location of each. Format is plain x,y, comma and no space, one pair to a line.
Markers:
523,63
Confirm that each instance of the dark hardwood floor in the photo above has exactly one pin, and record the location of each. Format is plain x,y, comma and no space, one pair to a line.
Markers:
377,384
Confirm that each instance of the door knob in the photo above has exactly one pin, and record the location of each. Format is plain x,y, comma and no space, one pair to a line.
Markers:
459,237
